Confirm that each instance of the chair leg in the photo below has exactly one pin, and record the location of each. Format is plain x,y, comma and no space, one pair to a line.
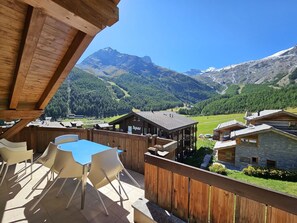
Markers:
61,187
41,179
19,180
6,168
47,190
112,185
102,202
2,167
73,194
121,186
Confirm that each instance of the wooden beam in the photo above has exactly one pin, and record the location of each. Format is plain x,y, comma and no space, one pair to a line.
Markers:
20,114
77,47
97,12
15,129
33,26
70,13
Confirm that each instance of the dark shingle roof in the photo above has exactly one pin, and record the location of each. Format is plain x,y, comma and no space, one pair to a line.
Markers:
165,119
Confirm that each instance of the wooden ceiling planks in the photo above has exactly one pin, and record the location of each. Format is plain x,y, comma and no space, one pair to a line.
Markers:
33,26
77,47
40,42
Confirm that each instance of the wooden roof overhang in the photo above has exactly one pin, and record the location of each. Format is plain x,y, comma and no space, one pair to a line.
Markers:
40,42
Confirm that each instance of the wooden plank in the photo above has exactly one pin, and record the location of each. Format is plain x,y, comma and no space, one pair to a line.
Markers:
64,15
268,197
180,197
15,129
77,47
275,215
164,189
249,211
199,205
33,26
128,153
142,148
20,114
134,160
151,183
221,206
98,11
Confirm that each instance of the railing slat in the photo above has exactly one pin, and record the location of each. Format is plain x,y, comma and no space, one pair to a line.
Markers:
164,188
151,182
249,211
221,206
199,201
180,199
275,215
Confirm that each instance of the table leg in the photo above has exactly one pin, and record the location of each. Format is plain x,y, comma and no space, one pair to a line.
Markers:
83,185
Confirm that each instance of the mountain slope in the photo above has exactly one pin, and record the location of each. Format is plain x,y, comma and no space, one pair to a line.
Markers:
274,69
130,71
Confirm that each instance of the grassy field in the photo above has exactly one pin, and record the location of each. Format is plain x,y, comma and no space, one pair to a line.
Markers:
277,185
208,123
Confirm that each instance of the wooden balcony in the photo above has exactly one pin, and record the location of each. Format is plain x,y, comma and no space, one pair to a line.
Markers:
192,194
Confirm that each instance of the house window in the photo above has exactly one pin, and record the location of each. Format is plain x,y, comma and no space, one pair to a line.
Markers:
250,141
244,159
255,160
271,163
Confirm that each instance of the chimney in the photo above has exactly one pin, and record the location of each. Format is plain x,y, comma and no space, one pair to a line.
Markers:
259,113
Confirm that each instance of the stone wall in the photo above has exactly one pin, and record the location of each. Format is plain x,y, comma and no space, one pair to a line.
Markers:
271,146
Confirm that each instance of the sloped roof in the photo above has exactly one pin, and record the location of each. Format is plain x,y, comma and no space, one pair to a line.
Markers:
167,120
225,144
267,113
252,130
40,43
229,124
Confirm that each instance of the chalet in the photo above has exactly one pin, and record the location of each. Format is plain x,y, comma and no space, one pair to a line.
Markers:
279,119
164,124
222,131
260,144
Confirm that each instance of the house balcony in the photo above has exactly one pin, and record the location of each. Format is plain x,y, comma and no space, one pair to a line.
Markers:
189,193
16,200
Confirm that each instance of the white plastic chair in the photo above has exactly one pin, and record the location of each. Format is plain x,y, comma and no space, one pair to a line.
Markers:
11,157
13,145
65,167
66,138
105,167
46,159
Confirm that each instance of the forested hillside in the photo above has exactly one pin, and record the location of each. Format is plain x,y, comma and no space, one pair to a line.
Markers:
84,94
251,97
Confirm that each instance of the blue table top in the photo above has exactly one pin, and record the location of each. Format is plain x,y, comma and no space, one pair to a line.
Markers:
82,150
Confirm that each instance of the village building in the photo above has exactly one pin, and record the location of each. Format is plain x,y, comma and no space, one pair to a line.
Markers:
269,140
163,124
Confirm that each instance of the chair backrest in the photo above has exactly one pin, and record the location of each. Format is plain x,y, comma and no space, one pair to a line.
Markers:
13,145
107,161
49,155
66,138
66,165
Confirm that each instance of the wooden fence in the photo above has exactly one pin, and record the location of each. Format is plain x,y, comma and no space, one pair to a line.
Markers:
134,146
197,195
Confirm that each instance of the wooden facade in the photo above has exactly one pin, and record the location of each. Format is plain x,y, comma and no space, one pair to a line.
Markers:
40,42
186,136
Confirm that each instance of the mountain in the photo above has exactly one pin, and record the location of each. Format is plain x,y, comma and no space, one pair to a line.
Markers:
275,69
193,72
143,80
109,83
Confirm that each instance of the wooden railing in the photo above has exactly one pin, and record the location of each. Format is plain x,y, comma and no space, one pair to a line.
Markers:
196,195
134,146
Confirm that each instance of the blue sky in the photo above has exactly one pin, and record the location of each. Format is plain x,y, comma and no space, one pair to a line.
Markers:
185,34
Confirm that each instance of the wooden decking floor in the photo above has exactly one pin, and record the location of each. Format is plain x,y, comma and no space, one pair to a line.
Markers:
16,201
